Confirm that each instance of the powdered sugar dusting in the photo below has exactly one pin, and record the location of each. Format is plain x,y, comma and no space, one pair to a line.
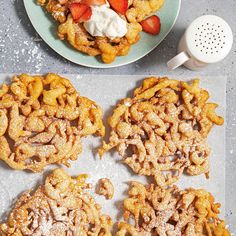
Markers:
28,50
16,48
4,198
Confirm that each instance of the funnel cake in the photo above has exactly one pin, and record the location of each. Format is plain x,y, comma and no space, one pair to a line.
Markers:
162,131
42,121
59,207
107,48
170,211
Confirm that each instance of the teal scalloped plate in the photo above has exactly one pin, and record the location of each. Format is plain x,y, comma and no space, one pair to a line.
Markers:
46,28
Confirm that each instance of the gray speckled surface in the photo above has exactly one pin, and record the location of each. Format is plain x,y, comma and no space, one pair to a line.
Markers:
21,50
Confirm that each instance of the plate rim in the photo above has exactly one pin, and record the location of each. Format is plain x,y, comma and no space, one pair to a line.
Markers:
108,66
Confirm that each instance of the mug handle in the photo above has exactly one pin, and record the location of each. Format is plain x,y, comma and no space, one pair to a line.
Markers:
178,60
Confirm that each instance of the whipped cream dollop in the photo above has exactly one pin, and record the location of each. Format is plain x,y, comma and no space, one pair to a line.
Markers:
105,22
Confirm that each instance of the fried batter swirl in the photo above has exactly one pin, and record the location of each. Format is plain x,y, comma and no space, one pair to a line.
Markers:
60,207
107,48
162,131
42,121
170,211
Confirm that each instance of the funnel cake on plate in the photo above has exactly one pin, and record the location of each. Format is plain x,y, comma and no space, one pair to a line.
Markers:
108,48
60,207
162,130
42,121
170,211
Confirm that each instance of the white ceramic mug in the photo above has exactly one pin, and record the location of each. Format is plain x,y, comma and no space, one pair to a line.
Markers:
207,40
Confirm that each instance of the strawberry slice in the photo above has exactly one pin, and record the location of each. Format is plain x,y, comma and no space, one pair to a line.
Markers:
120,6
86,16
151,25
77,10
93,2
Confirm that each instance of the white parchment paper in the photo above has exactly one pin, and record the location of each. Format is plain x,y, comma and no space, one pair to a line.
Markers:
107,91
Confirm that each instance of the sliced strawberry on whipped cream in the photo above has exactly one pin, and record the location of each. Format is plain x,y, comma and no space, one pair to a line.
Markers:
94,2
80,12
86,16
120,6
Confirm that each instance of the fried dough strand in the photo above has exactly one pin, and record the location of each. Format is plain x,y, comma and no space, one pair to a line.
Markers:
105,188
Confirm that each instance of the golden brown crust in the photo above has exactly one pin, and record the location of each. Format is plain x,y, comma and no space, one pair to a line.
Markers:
140,9
170,211
59,207
43,120
108,49
163,129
